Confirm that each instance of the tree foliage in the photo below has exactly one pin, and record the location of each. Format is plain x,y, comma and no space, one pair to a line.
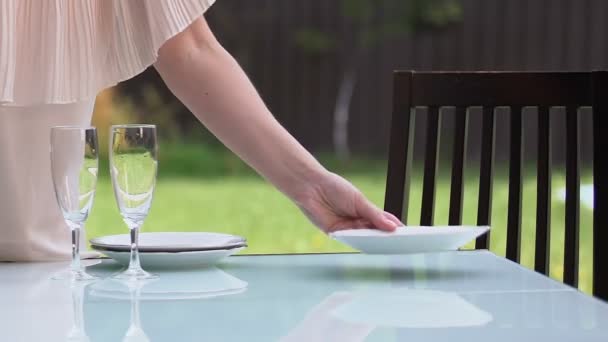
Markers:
370,23
374,21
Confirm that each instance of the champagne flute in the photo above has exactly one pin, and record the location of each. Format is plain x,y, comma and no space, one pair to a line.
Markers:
133,165
74,163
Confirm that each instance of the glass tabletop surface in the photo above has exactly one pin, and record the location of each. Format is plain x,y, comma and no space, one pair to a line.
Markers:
465,295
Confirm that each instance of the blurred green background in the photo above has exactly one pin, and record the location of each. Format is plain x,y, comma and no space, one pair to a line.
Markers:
207,188
318,62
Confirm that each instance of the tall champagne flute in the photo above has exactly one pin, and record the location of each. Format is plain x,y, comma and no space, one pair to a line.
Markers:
133,164
74,164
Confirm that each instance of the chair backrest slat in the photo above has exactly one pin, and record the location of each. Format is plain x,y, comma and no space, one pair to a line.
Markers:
600,180
543,199
486,175
571,239
515,184
401,144
427,210
458,158
516,90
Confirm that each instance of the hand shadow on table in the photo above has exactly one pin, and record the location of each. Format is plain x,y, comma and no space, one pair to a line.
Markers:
367,273
370,273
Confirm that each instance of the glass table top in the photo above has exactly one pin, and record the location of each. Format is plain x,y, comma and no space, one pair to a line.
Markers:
472,295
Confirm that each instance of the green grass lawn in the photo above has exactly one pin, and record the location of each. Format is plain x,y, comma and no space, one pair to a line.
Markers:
247,206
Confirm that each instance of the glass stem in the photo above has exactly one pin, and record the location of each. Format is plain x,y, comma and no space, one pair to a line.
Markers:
76,267
134,262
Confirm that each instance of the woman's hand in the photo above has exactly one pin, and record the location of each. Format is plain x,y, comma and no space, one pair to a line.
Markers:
332,203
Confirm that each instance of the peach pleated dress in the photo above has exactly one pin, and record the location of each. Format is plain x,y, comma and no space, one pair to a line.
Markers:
55,56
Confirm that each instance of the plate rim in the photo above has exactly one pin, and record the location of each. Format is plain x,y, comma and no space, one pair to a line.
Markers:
184,252
168,251
354,241
216,255
96,244
384,234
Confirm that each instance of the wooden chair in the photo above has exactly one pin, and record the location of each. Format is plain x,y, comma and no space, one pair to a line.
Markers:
515,90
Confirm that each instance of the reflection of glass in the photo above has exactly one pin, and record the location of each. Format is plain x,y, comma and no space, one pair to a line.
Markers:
74,163
133,165
135,333
77,332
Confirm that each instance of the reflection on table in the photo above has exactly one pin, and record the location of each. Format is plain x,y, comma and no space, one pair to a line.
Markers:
352,315
472,296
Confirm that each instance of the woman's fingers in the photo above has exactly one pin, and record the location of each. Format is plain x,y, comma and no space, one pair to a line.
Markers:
393,218
376,216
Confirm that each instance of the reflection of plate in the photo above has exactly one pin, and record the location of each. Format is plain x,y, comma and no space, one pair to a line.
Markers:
411,309
409,240
185,284
174,260
170,242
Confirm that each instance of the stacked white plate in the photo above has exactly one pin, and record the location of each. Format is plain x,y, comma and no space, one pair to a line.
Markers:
169,250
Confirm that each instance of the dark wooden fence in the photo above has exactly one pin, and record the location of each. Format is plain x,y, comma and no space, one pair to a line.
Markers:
300,87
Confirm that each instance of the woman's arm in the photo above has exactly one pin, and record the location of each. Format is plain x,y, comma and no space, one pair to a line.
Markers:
213,86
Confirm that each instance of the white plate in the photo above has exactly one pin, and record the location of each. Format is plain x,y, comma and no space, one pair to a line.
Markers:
410,239
185,284
170,242
152,260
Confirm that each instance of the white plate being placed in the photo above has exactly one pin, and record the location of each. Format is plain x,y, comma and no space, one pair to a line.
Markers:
162,260
170,242
410,239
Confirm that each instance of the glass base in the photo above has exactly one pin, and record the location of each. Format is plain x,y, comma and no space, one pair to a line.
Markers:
72,275
131,274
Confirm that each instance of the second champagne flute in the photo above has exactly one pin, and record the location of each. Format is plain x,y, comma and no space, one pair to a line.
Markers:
133,167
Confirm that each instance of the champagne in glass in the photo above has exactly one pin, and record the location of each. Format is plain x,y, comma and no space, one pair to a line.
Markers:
133,164
74,163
